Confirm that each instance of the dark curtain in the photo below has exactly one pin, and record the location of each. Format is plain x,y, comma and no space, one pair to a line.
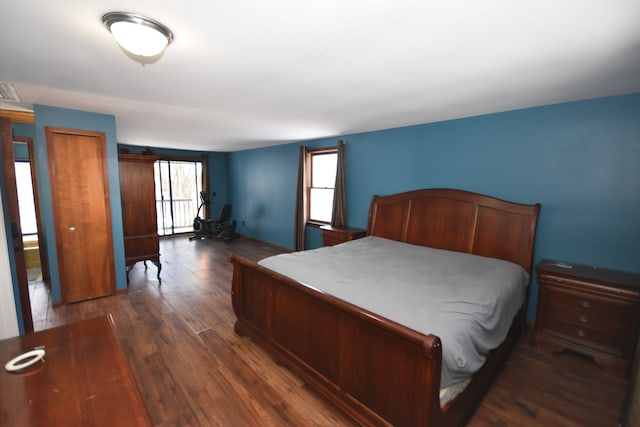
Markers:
301,201
339,215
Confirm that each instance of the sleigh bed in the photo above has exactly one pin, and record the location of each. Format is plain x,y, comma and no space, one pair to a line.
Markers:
380,371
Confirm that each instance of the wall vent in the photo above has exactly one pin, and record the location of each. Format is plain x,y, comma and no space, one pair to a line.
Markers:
8,92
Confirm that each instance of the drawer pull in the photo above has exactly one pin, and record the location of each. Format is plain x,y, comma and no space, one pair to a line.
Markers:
581,333
583,318
585,304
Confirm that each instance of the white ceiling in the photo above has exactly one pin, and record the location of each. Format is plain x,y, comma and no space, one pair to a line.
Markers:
250,73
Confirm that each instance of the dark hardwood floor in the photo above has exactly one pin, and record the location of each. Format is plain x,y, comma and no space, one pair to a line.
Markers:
194,371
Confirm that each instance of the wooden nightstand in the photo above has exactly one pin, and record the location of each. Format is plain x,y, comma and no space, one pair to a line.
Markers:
589,310
334,235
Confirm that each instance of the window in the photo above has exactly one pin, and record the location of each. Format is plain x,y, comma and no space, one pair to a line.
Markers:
178,186
321,184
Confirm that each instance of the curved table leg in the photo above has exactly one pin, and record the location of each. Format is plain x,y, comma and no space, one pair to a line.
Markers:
155,261
159,265
128,268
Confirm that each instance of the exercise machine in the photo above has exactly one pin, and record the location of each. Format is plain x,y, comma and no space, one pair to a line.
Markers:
220,228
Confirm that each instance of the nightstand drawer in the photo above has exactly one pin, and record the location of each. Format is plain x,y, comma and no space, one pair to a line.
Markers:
332,239
584,286
336,235
615,325
603,313
610,341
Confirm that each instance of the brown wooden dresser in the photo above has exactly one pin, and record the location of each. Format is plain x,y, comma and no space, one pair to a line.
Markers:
593,311
334,235
84,380
138,196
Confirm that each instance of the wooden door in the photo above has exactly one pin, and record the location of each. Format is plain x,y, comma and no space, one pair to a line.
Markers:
81,213
14,219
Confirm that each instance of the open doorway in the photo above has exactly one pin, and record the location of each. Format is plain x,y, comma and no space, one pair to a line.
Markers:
32,236
28,223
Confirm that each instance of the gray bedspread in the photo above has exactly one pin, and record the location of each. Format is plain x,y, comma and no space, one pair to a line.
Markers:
468,301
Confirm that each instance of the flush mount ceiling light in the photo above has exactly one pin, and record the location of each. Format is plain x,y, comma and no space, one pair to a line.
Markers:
137,34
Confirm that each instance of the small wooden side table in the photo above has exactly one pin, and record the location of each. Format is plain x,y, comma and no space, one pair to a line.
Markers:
334,235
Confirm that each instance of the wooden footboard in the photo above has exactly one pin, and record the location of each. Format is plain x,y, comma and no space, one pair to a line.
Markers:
377,371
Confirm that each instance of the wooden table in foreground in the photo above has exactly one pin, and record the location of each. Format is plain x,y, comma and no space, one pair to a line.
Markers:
85,379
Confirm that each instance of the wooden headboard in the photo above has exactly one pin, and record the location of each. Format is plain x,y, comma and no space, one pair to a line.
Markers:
459,221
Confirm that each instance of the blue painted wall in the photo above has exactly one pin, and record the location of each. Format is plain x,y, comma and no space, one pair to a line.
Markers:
580,160
73,119
22,130
262,184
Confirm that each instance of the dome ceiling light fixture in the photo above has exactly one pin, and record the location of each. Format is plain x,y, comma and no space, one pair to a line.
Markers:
138,35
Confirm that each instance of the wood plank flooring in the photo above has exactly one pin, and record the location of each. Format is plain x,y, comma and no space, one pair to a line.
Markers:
193,370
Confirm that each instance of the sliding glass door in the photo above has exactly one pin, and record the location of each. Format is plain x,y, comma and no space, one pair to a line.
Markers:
178,186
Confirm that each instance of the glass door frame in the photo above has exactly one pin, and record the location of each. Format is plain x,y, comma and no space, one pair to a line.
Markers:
162,230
